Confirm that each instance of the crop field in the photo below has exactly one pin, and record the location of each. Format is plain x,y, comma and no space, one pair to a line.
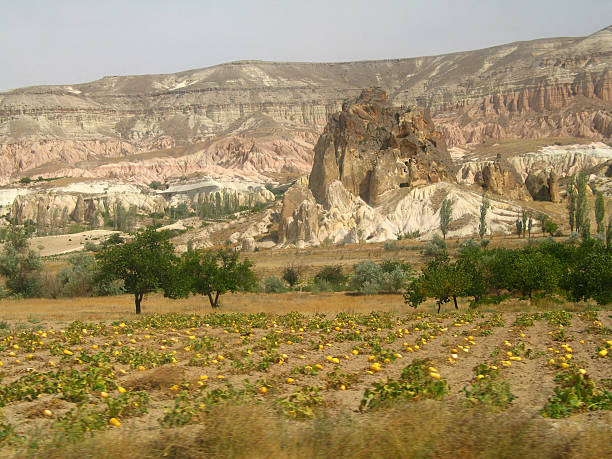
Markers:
277,379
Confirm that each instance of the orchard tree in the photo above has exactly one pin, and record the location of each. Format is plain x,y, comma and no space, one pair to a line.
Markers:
145,264
472,269
446,212
533,271
590,273
20,265
213,273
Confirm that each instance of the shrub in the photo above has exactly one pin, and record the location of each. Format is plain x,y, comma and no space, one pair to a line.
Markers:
274,285
436,247
367,278
391,246
291,275
332,275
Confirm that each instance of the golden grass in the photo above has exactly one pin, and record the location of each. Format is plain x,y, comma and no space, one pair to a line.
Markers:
424,430
122,306
114,307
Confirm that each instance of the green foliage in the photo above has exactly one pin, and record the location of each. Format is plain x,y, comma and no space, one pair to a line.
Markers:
331,275
415,382
581,202
20,265
25,180
488,388
550,227
519,227
571,203
302,403
484,207
542,218
576,392
371,278
531,271
78,278
274,285
590,273
436,247
212,273
446,211
145,264
600,213
156,185
291,275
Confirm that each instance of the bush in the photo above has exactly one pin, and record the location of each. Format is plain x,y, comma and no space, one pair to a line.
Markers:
332,275
367,278
291,275
77,279
389,276
436,247
274,285
391,246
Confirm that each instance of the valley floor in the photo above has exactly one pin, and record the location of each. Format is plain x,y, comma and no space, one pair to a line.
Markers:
187,383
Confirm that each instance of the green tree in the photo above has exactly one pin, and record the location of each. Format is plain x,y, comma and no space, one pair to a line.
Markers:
145,264
550,227
438,280
471,268
571,202
533,271
529,226
446,212
600,213
213,273
609,234
542,218
581,202
20,264
519,226
484,207
590,273
524,222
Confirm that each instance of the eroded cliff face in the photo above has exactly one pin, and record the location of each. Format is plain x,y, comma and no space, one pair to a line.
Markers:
541,88
94,204
373,148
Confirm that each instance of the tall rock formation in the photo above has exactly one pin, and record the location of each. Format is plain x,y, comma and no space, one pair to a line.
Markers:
379,171
373,148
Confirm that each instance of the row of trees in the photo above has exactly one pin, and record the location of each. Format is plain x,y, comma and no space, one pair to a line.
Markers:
145,264
446,216
148,263
581,272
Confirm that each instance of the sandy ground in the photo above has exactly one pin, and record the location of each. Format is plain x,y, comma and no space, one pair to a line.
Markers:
234,353
66,243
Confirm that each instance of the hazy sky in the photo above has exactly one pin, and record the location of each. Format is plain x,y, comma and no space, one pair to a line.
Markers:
73,41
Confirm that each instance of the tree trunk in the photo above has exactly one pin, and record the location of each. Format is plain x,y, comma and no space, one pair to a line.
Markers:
210,299
216,305
455,300
137,301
